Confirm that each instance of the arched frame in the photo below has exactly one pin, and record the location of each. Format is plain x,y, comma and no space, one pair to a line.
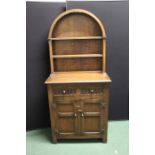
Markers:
72,11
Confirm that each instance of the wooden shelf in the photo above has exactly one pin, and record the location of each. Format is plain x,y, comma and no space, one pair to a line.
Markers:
78,77
77,38
78,56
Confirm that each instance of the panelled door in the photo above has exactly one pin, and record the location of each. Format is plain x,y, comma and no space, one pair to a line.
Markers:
93,120
66,122
82,117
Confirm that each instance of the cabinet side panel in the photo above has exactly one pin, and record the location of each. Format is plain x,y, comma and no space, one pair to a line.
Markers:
52,109
105,109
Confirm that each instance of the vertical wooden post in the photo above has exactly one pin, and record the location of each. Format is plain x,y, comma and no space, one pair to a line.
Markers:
104,55
51,55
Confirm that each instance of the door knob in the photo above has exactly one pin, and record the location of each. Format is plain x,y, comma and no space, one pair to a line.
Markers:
75,114
82,114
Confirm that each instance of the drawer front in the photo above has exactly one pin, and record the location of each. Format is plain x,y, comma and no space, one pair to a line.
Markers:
84,89
74,93
91,90
64,91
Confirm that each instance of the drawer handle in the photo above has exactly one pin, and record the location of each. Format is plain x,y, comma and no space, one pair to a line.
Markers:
64,91
92,91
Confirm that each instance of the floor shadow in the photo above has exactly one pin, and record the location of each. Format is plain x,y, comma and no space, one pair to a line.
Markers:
47,133
80,141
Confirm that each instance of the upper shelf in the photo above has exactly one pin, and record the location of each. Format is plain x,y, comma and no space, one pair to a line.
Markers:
77,38
78,56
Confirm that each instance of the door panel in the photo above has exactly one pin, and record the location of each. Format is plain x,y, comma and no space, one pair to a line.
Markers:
66,125
91,107
66,121
91,124
93,117
65,107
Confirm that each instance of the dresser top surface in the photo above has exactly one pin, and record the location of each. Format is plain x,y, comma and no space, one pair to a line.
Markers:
77,77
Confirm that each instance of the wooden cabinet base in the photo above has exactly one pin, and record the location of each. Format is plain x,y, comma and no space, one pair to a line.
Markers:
79,111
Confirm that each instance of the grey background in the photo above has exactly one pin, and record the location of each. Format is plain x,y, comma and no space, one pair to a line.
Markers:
39,16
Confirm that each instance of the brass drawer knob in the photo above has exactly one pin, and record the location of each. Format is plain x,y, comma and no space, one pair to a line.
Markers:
91,90
64,91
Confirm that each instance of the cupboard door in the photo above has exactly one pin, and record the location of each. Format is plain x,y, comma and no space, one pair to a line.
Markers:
67,119
93,117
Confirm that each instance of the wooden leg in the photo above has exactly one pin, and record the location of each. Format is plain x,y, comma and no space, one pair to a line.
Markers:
54,139
104,139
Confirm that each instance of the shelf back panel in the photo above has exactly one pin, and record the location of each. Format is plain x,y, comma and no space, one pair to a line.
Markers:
77,47
76,25
78,64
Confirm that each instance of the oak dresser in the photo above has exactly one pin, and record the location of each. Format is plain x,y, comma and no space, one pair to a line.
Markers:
78,86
